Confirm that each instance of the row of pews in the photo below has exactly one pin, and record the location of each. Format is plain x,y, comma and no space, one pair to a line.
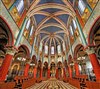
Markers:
20,82
81,82
52,84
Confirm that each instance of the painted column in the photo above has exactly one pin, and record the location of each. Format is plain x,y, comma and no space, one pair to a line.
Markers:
26,69
21,32
81,32
76,68
49,55
32,50
43,53
48,73
6,63
70,71
35,71
94,61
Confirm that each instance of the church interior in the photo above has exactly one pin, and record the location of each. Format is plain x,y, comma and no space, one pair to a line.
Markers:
49,44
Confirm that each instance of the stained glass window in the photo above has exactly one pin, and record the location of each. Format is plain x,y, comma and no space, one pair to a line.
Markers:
28,24
31,31
46,49
81,6
40,49
74,24
71,30
19,5
59,49
52,50
63,46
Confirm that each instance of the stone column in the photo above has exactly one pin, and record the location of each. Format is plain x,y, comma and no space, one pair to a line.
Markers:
94,61
6,63
76,69
26,69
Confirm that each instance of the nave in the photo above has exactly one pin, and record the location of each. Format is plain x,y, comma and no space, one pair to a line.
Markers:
52,83
45,39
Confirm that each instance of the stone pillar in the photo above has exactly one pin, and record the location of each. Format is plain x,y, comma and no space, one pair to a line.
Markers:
48,73
70,71
94,61
26,69
35,72
6,63
76,69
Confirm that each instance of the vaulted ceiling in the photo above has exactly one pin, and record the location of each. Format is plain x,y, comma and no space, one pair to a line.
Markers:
51,17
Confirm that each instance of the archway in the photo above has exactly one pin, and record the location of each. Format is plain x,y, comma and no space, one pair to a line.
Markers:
34,63
39,70
6,38
52,69
94,37
45,69
60,70
66,68
82,61
20,58
71,66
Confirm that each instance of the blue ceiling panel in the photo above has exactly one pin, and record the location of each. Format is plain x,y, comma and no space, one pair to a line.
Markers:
64,18
51,1
51,10
52,29
52,21
39,18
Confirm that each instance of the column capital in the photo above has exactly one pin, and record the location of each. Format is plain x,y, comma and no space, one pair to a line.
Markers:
10,50
90,50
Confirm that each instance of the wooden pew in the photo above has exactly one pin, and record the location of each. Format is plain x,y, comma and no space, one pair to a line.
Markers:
28,83
74,82
7,85
92,85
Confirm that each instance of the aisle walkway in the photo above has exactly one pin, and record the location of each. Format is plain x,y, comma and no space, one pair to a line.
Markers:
52,84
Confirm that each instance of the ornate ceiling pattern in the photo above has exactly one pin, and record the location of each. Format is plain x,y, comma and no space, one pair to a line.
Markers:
51,17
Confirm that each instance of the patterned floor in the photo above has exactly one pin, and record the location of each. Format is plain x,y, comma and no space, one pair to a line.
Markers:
52,84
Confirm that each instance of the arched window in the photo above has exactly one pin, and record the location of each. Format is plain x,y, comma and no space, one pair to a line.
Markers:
71,30
63,46
52,50
20,6
46,49
40,49
74,24
81,6
59,49
28,24
31,31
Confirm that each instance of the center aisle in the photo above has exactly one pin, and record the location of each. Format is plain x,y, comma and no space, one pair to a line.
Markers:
52,84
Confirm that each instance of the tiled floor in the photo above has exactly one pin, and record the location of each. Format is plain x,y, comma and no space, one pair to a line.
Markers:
52,84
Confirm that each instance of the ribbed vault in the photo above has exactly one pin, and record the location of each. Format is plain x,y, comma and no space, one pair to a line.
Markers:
50,17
